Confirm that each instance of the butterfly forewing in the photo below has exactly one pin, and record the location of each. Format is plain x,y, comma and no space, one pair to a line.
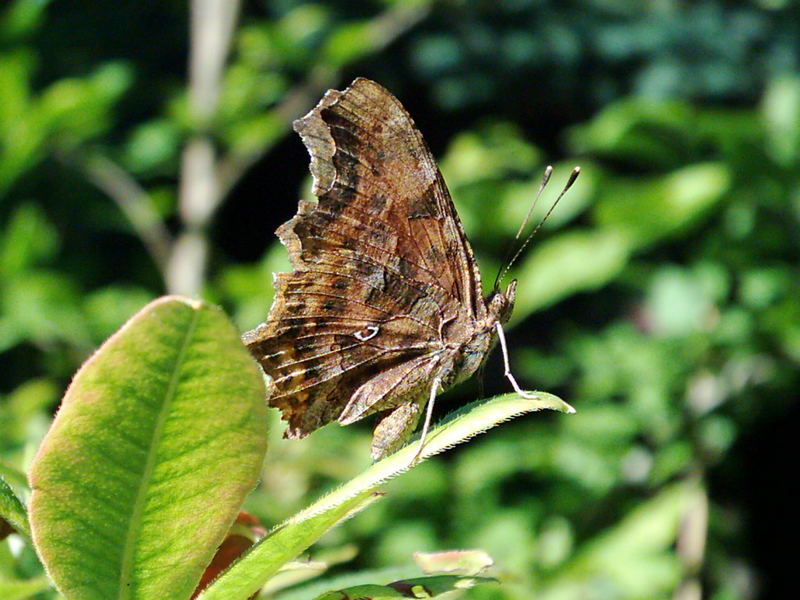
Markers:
383,273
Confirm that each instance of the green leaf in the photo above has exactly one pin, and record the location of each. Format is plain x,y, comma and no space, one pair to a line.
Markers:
41,306
298,533
152,145
464,562
28,238
21,17
641,132
348,43
283,544
12,510
421,587
781,115
16,477
157,441
20,411
462,425
571,262
20,135
647,211
493,151
363,592
78,109
346,580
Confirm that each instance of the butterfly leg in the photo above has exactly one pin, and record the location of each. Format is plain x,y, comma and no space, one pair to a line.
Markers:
481,376
428,414
507,366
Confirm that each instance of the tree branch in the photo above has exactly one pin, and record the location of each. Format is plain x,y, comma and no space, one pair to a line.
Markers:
135,204
382,31
212,25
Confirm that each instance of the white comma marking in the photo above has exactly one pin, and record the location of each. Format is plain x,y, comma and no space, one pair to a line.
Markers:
372,331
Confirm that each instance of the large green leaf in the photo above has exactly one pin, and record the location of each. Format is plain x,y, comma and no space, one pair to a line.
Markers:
568,263
647,210
157,441
291,538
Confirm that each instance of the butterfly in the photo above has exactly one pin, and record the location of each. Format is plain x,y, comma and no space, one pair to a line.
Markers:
384,307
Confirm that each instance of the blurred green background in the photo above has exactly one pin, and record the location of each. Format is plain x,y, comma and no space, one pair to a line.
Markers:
660,299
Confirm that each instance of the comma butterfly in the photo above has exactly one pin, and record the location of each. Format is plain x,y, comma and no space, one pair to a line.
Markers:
384,307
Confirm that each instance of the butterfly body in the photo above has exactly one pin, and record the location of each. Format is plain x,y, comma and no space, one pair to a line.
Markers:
384,306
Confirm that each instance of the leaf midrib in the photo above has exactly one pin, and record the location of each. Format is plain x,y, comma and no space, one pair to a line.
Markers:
138,507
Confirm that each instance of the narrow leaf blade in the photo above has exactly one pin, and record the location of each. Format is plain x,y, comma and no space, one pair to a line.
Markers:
303,529
420,587
21,590
462,425
286,542
12,510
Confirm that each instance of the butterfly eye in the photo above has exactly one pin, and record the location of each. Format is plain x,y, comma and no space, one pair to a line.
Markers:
369,332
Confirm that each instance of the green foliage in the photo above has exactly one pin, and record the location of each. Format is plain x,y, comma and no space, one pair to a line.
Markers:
68,113
11,509
422,587
21,590
301,530
164,423
597,50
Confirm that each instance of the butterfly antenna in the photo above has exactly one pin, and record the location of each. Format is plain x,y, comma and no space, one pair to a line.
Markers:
548,171
502,272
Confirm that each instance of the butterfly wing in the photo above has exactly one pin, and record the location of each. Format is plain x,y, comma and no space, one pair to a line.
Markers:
381,267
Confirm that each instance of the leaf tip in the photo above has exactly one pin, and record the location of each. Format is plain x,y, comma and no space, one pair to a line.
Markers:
193,303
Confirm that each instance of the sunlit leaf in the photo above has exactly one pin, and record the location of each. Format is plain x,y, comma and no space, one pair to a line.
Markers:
648,210
571,262
282,545
304,528
158,439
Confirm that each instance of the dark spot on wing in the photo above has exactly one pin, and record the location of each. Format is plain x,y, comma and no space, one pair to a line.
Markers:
304,345
312,369
295,308
333,304
377,203
406,268
424,206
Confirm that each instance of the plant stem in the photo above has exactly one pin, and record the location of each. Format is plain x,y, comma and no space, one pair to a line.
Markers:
212,25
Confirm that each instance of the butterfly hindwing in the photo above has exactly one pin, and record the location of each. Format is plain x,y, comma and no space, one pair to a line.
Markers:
383,278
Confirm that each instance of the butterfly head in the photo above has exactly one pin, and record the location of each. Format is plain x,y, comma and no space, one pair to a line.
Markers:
501,303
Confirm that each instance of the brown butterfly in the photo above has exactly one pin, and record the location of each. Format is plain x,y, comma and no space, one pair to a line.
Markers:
384,308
